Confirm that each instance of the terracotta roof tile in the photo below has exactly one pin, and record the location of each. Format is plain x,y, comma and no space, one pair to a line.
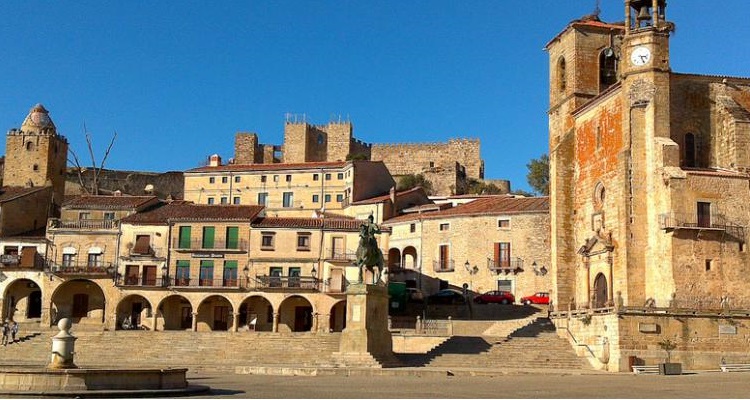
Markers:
193,212
496,205
108,202
270,167
381,198
12,192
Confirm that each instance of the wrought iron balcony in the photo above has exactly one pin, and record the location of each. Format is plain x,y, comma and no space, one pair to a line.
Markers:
15,262
219,245
507,265
83,269
151,252
177,283
84,224
340,255
443,265
717,222
285,283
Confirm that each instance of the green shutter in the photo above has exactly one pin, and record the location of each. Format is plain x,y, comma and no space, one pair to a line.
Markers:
208,237
184,237
230,264
233,233
183,263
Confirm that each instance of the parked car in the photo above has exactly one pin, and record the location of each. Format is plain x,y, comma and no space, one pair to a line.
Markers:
447,296
495,296
536,298
415,295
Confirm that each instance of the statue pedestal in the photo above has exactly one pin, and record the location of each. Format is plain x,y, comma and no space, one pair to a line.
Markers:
366,340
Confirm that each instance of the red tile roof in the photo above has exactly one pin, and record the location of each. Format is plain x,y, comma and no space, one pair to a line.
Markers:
496,205
107,202
193,212
270,167
13,192
382,198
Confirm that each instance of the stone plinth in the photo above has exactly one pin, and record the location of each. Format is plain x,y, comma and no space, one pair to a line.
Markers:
37,380
366,337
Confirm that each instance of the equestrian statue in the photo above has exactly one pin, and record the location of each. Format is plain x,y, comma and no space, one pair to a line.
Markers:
368,254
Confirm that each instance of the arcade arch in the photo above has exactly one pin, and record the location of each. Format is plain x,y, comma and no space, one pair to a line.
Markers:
295,315
256,313
22,301
214,314
81,300
176,313
133,312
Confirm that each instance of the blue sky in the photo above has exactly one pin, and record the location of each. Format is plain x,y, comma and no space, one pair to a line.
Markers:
176,80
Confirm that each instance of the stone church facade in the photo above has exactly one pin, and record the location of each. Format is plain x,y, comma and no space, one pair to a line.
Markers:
648,195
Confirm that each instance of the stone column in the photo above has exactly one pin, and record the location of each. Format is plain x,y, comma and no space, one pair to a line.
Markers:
324,323
366,334
315,322
610,281
275,327
154,319
195,322
235,321
586,267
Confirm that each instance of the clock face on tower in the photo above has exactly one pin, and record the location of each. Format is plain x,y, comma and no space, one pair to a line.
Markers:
640,56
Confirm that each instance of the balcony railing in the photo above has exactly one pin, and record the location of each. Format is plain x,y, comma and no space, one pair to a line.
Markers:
290,283
83,269
718,222
443,265
512,264
340,255
13,261
218,245
176,283
84,224
153,252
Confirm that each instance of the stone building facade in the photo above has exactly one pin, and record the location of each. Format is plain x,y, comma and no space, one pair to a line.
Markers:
648,182
492,243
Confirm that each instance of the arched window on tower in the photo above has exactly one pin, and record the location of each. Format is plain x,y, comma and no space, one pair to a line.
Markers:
561,74
29,146
607,69
689,160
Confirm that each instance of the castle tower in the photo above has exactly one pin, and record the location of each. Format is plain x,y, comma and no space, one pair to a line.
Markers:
35,155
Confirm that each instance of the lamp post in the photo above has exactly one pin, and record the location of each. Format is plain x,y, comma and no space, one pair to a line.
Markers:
246,272
164,271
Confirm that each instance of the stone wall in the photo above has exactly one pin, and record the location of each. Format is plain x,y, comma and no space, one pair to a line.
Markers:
35,158
415,158
166,184
26,213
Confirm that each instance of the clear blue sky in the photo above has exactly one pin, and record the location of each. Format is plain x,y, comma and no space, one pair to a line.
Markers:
178,79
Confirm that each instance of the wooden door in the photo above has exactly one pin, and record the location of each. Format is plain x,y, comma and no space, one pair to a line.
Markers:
444,257
34,309
80,305
302,319
221,318
149,275
186,318
600,291
704,214
131,274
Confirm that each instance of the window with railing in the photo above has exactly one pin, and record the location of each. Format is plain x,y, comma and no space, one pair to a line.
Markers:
182,274
95,260
184,237
206,274
230,273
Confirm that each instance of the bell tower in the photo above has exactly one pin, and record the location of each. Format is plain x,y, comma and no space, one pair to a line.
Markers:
35,155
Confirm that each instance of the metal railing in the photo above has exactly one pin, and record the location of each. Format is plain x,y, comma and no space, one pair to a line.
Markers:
13,261
83,269
505,265
176,283
56,223
714,221
340,255
155,252
443,265
218,245
285,283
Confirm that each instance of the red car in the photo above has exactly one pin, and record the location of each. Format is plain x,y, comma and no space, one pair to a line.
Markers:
495,296
536,298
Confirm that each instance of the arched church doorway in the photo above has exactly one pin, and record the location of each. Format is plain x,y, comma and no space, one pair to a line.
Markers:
600,291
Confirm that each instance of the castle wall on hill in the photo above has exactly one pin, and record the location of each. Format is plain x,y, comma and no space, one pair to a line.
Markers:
415,158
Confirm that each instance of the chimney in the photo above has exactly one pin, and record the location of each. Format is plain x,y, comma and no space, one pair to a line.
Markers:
214,160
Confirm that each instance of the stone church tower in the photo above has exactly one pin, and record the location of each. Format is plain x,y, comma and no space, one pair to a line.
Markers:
609,117
35,155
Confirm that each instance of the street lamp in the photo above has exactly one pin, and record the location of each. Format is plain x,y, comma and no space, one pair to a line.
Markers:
314,272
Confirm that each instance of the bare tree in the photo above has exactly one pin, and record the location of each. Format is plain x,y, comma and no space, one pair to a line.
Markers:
94,184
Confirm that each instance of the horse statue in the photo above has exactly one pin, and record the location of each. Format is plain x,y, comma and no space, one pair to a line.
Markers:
368,254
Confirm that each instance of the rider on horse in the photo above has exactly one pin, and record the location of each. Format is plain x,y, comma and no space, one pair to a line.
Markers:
368,253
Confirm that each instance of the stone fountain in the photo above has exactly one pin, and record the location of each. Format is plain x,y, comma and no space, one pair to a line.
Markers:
63,378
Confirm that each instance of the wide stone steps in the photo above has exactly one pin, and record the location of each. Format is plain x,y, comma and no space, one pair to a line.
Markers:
179,349
535,345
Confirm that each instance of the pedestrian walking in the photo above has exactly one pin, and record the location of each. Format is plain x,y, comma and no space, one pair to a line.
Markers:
14,331
6,332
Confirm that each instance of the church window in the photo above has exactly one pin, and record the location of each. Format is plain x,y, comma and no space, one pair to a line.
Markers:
561,74
599,195
607,69
709,263
689,150
29,146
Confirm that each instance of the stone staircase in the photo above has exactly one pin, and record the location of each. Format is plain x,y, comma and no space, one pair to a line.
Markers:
535,345
195,350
